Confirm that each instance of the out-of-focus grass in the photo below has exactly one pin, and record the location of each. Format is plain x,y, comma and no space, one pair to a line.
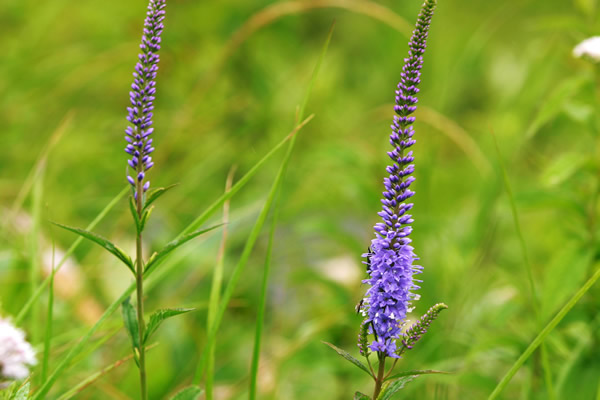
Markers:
505,66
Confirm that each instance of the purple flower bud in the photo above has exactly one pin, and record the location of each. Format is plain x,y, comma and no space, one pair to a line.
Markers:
143,91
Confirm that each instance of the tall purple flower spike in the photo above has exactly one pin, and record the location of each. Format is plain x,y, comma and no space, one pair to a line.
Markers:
390,257
142,97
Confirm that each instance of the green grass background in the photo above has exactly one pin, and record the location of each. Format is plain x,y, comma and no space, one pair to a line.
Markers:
225,98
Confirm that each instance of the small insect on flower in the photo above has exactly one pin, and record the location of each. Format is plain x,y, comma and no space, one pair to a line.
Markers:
359,306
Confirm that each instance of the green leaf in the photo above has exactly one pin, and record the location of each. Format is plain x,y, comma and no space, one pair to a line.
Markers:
154,194
348,357
145,217
158,256
562,167
131,326
553,103
189,393
134,214
361,396
395,386
539,339
22,393
415,372
159,316
113,249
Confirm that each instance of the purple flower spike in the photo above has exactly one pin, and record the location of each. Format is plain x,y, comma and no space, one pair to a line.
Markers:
142,95
390,257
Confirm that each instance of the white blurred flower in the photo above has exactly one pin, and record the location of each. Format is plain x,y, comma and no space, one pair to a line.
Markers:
589,48
15,353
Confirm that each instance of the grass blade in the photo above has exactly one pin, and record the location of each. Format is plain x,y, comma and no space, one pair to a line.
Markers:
35,265
260,317
215,290
240,266
542,335
49,315
527,261
263,294
94,377
47,385
40,289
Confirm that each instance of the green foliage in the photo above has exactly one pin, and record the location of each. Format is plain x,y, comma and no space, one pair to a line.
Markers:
22,393
361,396
154,194
188,393
105,243
349,357
158,256
130,322
414,373
394,387
157,318
232,77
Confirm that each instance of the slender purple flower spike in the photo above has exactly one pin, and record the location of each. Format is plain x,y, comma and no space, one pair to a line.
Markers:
142,97
390,258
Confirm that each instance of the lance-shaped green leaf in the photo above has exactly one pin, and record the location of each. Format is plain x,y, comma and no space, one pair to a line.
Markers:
415,372
159,316
394,387
361,396
134,214
348,357
131,326
145,216
107,244
22,393
189,393
154,194
158,256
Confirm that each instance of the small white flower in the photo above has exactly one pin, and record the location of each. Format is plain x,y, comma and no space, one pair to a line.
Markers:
15,353
589,48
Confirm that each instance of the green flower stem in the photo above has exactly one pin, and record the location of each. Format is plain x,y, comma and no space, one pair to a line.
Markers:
139,280
380,376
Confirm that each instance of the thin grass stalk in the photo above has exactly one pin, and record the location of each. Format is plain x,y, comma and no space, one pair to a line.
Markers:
240,266
75,350
39,165
260,317
525,253
49,320
76,390
262,217
40,289
34,249
47,385
263,294
542,335
215,290
275,12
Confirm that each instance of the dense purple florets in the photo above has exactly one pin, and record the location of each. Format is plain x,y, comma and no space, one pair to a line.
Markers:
390,258
142,97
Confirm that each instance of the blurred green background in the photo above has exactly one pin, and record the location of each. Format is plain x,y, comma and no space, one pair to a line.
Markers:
230,79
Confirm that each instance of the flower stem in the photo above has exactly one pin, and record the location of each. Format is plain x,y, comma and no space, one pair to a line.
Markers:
139,278
380,373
